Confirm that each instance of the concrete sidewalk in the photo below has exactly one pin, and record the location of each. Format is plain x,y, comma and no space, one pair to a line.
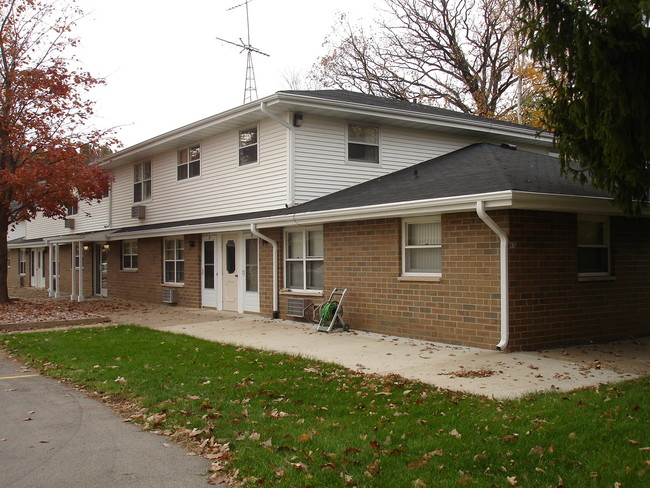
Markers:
494,374
53,436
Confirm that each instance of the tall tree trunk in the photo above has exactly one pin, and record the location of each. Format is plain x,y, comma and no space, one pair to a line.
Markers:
4,254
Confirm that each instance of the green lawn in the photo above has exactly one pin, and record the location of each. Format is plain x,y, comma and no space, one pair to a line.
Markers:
289,421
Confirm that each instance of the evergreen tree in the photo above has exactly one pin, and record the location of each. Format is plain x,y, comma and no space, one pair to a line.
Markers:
596,57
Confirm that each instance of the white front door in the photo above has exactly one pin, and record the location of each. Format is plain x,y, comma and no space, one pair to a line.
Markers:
37,268
229,265
209,272
100,278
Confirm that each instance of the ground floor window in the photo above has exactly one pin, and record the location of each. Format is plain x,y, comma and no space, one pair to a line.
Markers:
593,245
304,259
129,254
22,262
422,247
252,266
174,260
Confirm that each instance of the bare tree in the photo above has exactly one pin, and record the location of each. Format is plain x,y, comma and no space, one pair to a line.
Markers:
459,54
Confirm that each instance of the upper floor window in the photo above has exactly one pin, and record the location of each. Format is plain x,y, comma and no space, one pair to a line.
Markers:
304,259
248,146
142,181
363,143
189,162
593,245
72,209
422,247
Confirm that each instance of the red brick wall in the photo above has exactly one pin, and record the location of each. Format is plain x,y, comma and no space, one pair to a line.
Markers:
146,283
550,306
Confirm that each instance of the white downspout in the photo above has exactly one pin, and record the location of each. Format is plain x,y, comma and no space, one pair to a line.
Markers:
290,157
503,240
256,233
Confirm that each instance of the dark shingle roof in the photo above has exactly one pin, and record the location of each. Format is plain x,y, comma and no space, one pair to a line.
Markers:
476,169
350,97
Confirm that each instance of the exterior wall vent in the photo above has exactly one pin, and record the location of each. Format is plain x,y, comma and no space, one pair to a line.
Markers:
69,223
296,307
138,212
169,296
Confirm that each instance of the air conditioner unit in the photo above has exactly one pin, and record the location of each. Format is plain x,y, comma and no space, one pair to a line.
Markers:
296,307
69,223
138,212
169,296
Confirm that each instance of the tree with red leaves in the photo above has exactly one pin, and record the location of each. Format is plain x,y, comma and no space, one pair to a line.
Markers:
48,153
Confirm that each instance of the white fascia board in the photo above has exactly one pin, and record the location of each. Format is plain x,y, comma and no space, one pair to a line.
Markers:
436,120
549,202
89,237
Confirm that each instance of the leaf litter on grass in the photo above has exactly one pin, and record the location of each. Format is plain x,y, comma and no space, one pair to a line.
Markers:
270,419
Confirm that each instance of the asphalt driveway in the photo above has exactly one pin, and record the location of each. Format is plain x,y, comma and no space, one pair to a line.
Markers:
53,436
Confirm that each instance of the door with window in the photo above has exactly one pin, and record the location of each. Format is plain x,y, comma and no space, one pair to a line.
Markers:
37,268
230,272
209,272
251,284
100,278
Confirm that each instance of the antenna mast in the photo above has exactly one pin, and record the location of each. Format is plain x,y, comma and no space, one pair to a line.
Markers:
250,86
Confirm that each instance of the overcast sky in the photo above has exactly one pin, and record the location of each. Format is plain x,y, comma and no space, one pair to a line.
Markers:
165,68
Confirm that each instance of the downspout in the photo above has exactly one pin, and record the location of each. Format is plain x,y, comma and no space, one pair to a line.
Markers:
503,241
291,153
256,233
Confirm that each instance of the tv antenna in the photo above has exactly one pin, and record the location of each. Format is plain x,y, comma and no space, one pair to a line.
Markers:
250,87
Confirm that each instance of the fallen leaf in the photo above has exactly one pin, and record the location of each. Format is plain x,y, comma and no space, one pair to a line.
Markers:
512,480
455,433
266,443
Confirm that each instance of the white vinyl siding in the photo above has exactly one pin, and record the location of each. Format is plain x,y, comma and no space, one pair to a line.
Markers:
321,167
223,188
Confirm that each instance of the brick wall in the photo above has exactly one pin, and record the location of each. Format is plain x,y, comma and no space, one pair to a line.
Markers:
550,305
146,283
461,308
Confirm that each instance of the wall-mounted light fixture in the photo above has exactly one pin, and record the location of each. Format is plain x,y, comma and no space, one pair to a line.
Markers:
86,247
191,244
107,247
297,119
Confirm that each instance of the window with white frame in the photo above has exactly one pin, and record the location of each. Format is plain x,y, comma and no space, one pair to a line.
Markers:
248,153
304,259
363,143
72,209
141,181
22,262
174,260
189,162
130,254
593,245
421,247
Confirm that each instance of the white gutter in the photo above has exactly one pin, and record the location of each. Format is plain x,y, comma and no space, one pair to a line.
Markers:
256,233
291,152
503,240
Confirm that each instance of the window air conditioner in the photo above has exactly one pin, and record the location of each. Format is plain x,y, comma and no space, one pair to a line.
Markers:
69,223
169,296
138,212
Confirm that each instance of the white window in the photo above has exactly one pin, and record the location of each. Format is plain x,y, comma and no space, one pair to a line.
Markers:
22,262
421,247
248,146
593,245
72,209
304,259
142,181
363,143
174,260
129,254
189,162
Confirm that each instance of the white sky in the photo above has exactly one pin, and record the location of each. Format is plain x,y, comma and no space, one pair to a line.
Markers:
165,68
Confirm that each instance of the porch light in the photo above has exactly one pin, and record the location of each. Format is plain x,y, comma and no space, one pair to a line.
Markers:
107,247
86,247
